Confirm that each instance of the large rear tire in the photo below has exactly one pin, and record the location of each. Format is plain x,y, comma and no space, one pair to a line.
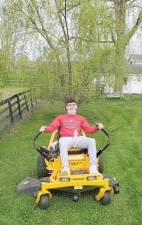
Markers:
41,167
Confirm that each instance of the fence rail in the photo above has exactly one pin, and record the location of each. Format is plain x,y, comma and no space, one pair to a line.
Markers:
14,107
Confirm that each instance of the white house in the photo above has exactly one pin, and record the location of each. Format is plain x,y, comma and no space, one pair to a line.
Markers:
134,83
135,59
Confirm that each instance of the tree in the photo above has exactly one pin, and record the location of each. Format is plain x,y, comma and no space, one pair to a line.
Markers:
83,39
122,35
103,27
50,20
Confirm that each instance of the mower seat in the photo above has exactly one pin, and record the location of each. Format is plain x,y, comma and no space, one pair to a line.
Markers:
72,151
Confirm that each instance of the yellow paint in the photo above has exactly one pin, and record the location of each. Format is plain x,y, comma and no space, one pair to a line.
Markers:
42,192
77,181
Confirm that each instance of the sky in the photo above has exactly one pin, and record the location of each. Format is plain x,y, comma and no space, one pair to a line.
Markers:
135,45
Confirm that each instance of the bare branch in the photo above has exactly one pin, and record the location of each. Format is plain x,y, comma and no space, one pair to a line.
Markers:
134,28
88,40
60,20
42,26
71,7
113,38
66,24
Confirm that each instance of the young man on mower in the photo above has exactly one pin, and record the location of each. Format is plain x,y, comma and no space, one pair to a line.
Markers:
70,126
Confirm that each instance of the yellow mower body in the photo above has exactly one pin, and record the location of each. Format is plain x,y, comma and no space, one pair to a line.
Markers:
78,180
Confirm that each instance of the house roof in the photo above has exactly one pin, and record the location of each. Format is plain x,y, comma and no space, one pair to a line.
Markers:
134,58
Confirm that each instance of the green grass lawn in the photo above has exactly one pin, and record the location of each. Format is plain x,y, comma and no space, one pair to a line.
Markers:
123,120
9,91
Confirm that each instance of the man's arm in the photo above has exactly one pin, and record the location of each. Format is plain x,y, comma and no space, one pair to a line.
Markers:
52,127
90,129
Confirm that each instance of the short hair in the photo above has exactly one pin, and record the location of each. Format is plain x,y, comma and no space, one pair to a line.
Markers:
70,101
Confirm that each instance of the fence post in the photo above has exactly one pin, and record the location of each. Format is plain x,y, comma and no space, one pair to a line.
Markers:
35,96
31,98
15,109
10,111
26,102
19,107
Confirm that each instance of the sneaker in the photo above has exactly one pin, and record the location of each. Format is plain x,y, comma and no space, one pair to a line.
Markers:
93,170
65,171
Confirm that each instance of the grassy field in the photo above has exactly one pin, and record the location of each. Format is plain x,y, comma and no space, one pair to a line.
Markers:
9,91
123,120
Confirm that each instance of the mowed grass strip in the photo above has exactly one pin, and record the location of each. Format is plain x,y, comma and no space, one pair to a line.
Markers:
18,159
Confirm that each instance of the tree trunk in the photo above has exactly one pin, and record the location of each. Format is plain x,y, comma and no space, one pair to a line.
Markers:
119,68
120,15
64,25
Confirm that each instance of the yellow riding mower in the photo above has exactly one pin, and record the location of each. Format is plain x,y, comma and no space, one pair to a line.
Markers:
50,177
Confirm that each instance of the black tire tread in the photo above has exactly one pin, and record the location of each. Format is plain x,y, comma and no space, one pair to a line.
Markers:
44,202
41,167
106,198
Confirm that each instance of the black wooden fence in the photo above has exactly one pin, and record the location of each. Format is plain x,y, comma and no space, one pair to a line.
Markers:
15,106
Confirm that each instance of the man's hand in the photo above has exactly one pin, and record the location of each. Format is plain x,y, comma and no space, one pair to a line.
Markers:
100,126
42,129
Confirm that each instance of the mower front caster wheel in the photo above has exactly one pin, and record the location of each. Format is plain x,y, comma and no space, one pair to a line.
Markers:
116,188
106,199
44,202
75,198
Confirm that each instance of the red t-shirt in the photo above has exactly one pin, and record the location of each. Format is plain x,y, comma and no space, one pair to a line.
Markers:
68,124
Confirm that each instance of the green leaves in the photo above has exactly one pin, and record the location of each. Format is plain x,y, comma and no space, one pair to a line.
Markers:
78,40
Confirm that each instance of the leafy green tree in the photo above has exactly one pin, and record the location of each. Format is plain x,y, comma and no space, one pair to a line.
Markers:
49,19
103,29
84,40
